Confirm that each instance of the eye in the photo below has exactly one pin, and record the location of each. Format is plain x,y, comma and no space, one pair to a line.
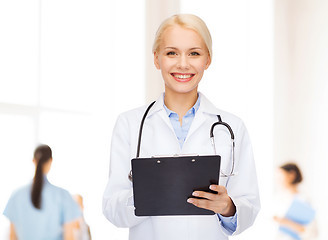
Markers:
171,53
194,54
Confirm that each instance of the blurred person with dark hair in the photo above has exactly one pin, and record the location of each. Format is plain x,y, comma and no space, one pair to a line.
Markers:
297,217
40,210
81,228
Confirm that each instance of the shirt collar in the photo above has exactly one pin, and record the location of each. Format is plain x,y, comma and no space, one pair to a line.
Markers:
193,109
205,106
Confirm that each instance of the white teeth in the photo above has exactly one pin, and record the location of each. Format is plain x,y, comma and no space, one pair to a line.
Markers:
184,76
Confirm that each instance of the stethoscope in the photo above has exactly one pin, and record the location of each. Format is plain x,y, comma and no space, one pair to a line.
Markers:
219,122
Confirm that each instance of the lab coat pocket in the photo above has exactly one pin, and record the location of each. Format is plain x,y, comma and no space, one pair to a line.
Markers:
223,180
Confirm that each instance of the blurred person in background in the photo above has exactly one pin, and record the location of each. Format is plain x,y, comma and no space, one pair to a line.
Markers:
295,215
40,210
81,228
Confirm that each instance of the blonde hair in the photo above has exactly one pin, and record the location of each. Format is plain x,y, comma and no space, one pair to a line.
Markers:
188,21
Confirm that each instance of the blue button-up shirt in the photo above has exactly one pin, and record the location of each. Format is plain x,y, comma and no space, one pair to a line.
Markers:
181,131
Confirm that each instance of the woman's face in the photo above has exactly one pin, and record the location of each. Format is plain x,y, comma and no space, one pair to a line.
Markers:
285,178
182,59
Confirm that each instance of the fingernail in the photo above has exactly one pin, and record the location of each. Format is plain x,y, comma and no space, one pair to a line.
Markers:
212,187
190,200
195,194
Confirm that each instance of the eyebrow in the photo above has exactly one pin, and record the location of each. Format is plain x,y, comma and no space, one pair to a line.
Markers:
194,48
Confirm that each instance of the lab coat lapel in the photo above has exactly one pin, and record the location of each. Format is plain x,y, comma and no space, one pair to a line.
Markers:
196,123
158,108
205,108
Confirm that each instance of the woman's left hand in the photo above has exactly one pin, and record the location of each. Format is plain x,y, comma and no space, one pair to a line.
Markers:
219,203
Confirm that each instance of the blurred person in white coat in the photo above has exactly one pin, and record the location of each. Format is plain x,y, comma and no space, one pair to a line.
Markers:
179,123
295,215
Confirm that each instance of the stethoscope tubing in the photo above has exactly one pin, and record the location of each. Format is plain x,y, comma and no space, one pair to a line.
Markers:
220,122
141,127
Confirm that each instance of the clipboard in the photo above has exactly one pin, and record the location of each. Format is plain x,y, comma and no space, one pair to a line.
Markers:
300,212
162,185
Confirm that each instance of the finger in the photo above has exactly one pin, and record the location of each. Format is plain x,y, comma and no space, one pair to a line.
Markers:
201,203
218,188
207,195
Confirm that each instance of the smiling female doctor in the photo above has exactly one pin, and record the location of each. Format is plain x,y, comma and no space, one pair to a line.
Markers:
179,123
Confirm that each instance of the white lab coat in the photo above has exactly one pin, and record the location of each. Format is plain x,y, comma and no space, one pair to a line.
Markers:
158,138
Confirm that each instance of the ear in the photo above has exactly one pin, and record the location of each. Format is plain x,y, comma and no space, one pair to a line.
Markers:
156,61
209,60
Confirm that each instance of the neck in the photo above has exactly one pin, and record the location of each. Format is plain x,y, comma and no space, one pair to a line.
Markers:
293,189
180,102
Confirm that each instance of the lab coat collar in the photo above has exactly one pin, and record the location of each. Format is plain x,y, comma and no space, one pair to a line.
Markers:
205,105
158,106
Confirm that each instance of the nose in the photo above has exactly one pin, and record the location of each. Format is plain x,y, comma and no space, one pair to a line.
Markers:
183,62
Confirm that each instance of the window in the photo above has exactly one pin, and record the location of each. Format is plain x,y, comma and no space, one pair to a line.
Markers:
68,68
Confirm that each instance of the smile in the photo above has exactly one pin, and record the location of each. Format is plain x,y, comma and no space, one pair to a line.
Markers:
182,77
